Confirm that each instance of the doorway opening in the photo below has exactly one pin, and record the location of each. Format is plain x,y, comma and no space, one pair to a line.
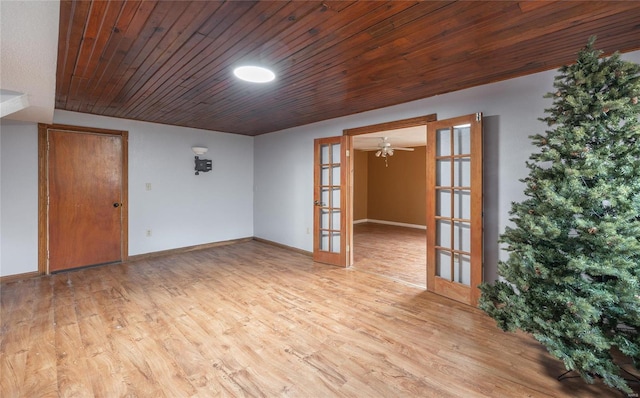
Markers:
389,194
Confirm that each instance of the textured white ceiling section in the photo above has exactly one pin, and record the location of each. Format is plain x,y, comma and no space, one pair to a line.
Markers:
28,57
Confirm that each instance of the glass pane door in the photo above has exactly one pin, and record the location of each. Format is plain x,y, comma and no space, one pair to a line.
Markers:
454,231
453,190
331,201
329,222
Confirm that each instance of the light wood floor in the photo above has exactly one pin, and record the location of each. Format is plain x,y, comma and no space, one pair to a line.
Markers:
252,319
396,252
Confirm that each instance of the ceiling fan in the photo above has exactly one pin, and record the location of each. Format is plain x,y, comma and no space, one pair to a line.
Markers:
385,148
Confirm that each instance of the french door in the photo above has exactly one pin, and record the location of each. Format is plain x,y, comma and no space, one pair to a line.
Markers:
454,208
332,210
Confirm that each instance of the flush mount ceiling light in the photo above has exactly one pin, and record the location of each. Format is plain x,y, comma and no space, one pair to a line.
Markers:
254,74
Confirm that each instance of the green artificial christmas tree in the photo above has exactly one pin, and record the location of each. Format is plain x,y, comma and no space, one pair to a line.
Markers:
572,278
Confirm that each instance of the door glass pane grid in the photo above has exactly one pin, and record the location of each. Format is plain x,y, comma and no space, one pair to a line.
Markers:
462,269
335,174
462,139
335,242
453,265
443,233
325,154
462,171
329,228
461,204
325,178
330,241
335,154
443,264
443,203
443,172
324,240
453,203
443,142
462,236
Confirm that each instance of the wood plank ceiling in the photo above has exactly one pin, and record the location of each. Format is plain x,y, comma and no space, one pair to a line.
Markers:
171,61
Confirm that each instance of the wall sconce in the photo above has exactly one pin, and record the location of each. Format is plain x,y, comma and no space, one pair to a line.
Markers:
203,165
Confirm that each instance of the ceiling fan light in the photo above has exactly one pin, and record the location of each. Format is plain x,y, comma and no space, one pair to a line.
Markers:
254,74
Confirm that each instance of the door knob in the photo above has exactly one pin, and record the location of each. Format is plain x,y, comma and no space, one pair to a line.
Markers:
117,204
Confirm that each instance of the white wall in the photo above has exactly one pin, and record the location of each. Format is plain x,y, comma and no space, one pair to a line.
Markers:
29,43
181,209
18,197
284,159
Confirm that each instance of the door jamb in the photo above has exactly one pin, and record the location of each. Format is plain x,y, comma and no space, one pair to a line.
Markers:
395,125
43,208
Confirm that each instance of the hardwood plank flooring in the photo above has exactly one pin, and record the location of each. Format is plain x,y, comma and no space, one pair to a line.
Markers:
251,319
392,251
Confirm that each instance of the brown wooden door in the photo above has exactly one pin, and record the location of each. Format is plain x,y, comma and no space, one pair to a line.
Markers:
332,209
85,206
454,208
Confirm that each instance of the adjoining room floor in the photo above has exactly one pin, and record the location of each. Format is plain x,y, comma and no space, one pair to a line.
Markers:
391,251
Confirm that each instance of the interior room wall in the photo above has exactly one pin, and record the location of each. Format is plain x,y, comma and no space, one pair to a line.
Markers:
397,188
181,209
18,197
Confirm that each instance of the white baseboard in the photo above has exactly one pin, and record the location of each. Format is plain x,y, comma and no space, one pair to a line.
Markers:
397,224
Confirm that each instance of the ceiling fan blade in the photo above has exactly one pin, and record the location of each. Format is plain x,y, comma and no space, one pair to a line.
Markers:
388,148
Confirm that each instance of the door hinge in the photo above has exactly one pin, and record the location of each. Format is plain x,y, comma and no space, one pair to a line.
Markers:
347,153
478,116
348,248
